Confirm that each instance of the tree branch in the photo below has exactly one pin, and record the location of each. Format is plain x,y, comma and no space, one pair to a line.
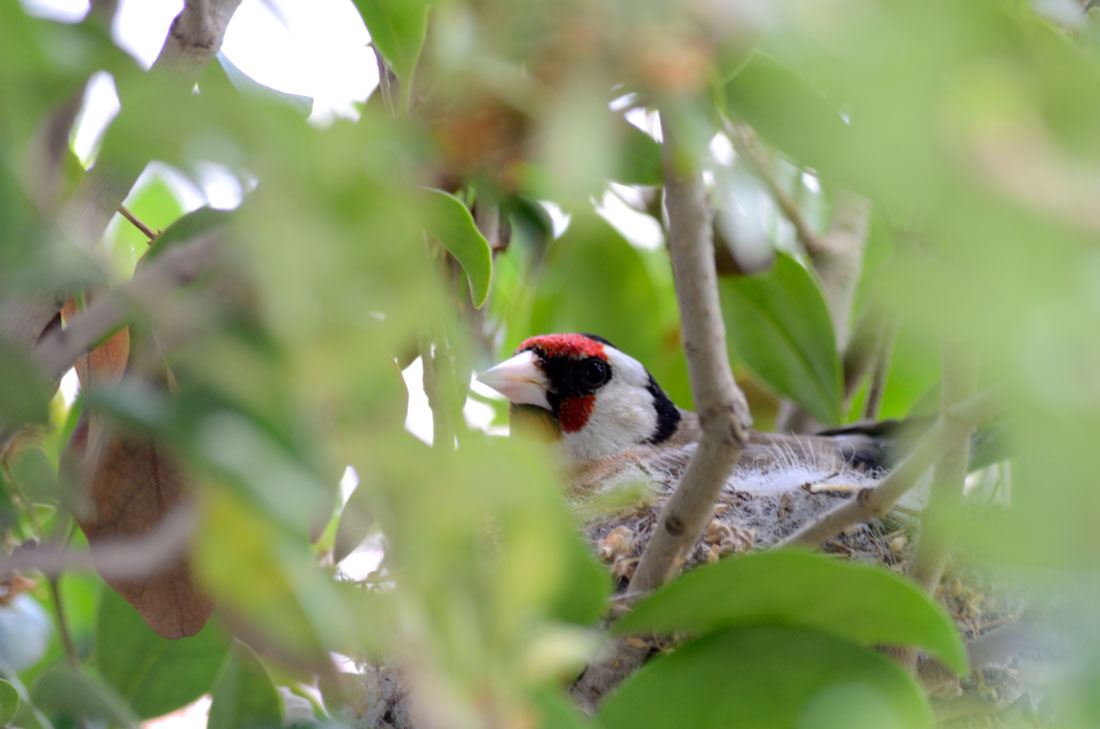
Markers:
722,409
116,558
877,387
874,502
939,523
746,144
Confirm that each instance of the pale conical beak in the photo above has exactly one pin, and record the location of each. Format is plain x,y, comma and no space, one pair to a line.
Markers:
520,379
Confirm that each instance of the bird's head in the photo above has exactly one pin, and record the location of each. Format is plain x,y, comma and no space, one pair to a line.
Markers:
603,401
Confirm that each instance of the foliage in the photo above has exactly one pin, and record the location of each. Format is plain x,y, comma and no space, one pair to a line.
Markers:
423,229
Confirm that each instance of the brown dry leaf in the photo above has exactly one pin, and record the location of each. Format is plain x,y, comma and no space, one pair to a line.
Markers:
105,363
131,484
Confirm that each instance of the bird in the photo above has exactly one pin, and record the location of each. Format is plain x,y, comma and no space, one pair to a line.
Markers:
614,429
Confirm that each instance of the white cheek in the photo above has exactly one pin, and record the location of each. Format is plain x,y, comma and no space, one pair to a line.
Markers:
622,418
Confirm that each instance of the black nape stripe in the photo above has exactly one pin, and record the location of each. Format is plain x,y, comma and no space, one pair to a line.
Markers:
597,338
668,415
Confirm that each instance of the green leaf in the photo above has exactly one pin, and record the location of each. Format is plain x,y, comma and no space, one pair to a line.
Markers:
9,702
861,603
448,220
771,676
397,29
244,696
913,372
74,694
186,228
249,87
154,674
639,157
556,712
778,323
24,396
788,113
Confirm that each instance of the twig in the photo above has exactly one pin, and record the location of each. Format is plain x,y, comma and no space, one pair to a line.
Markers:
748,146
723,412
938,525
62,622
877,387
137,222
115,558
874,502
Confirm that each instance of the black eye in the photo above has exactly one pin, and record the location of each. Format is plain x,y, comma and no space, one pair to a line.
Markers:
593,373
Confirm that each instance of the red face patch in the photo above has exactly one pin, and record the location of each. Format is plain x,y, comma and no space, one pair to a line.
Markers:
574,411
564,345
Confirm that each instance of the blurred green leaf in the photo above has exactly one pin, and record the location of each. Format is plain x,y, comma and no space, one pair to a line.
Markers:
768,677
244,696
557,713
9,702
77,695
9,514
186,228
24,397
266,574
778,324
861,603
639,157
913,373
788,112
397,29
156,675
254,89
448,220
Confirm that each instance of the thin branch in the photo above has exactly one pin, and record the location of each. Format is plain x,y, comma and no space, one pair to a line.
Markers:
746,144
939,524
115,558
722,409
62,622
874,502
877,387
136,222
721,406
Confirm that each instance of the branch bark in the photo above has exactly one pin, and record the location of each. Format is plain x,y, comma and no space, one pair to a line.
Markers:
939,523
117,558
722,409
875,502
